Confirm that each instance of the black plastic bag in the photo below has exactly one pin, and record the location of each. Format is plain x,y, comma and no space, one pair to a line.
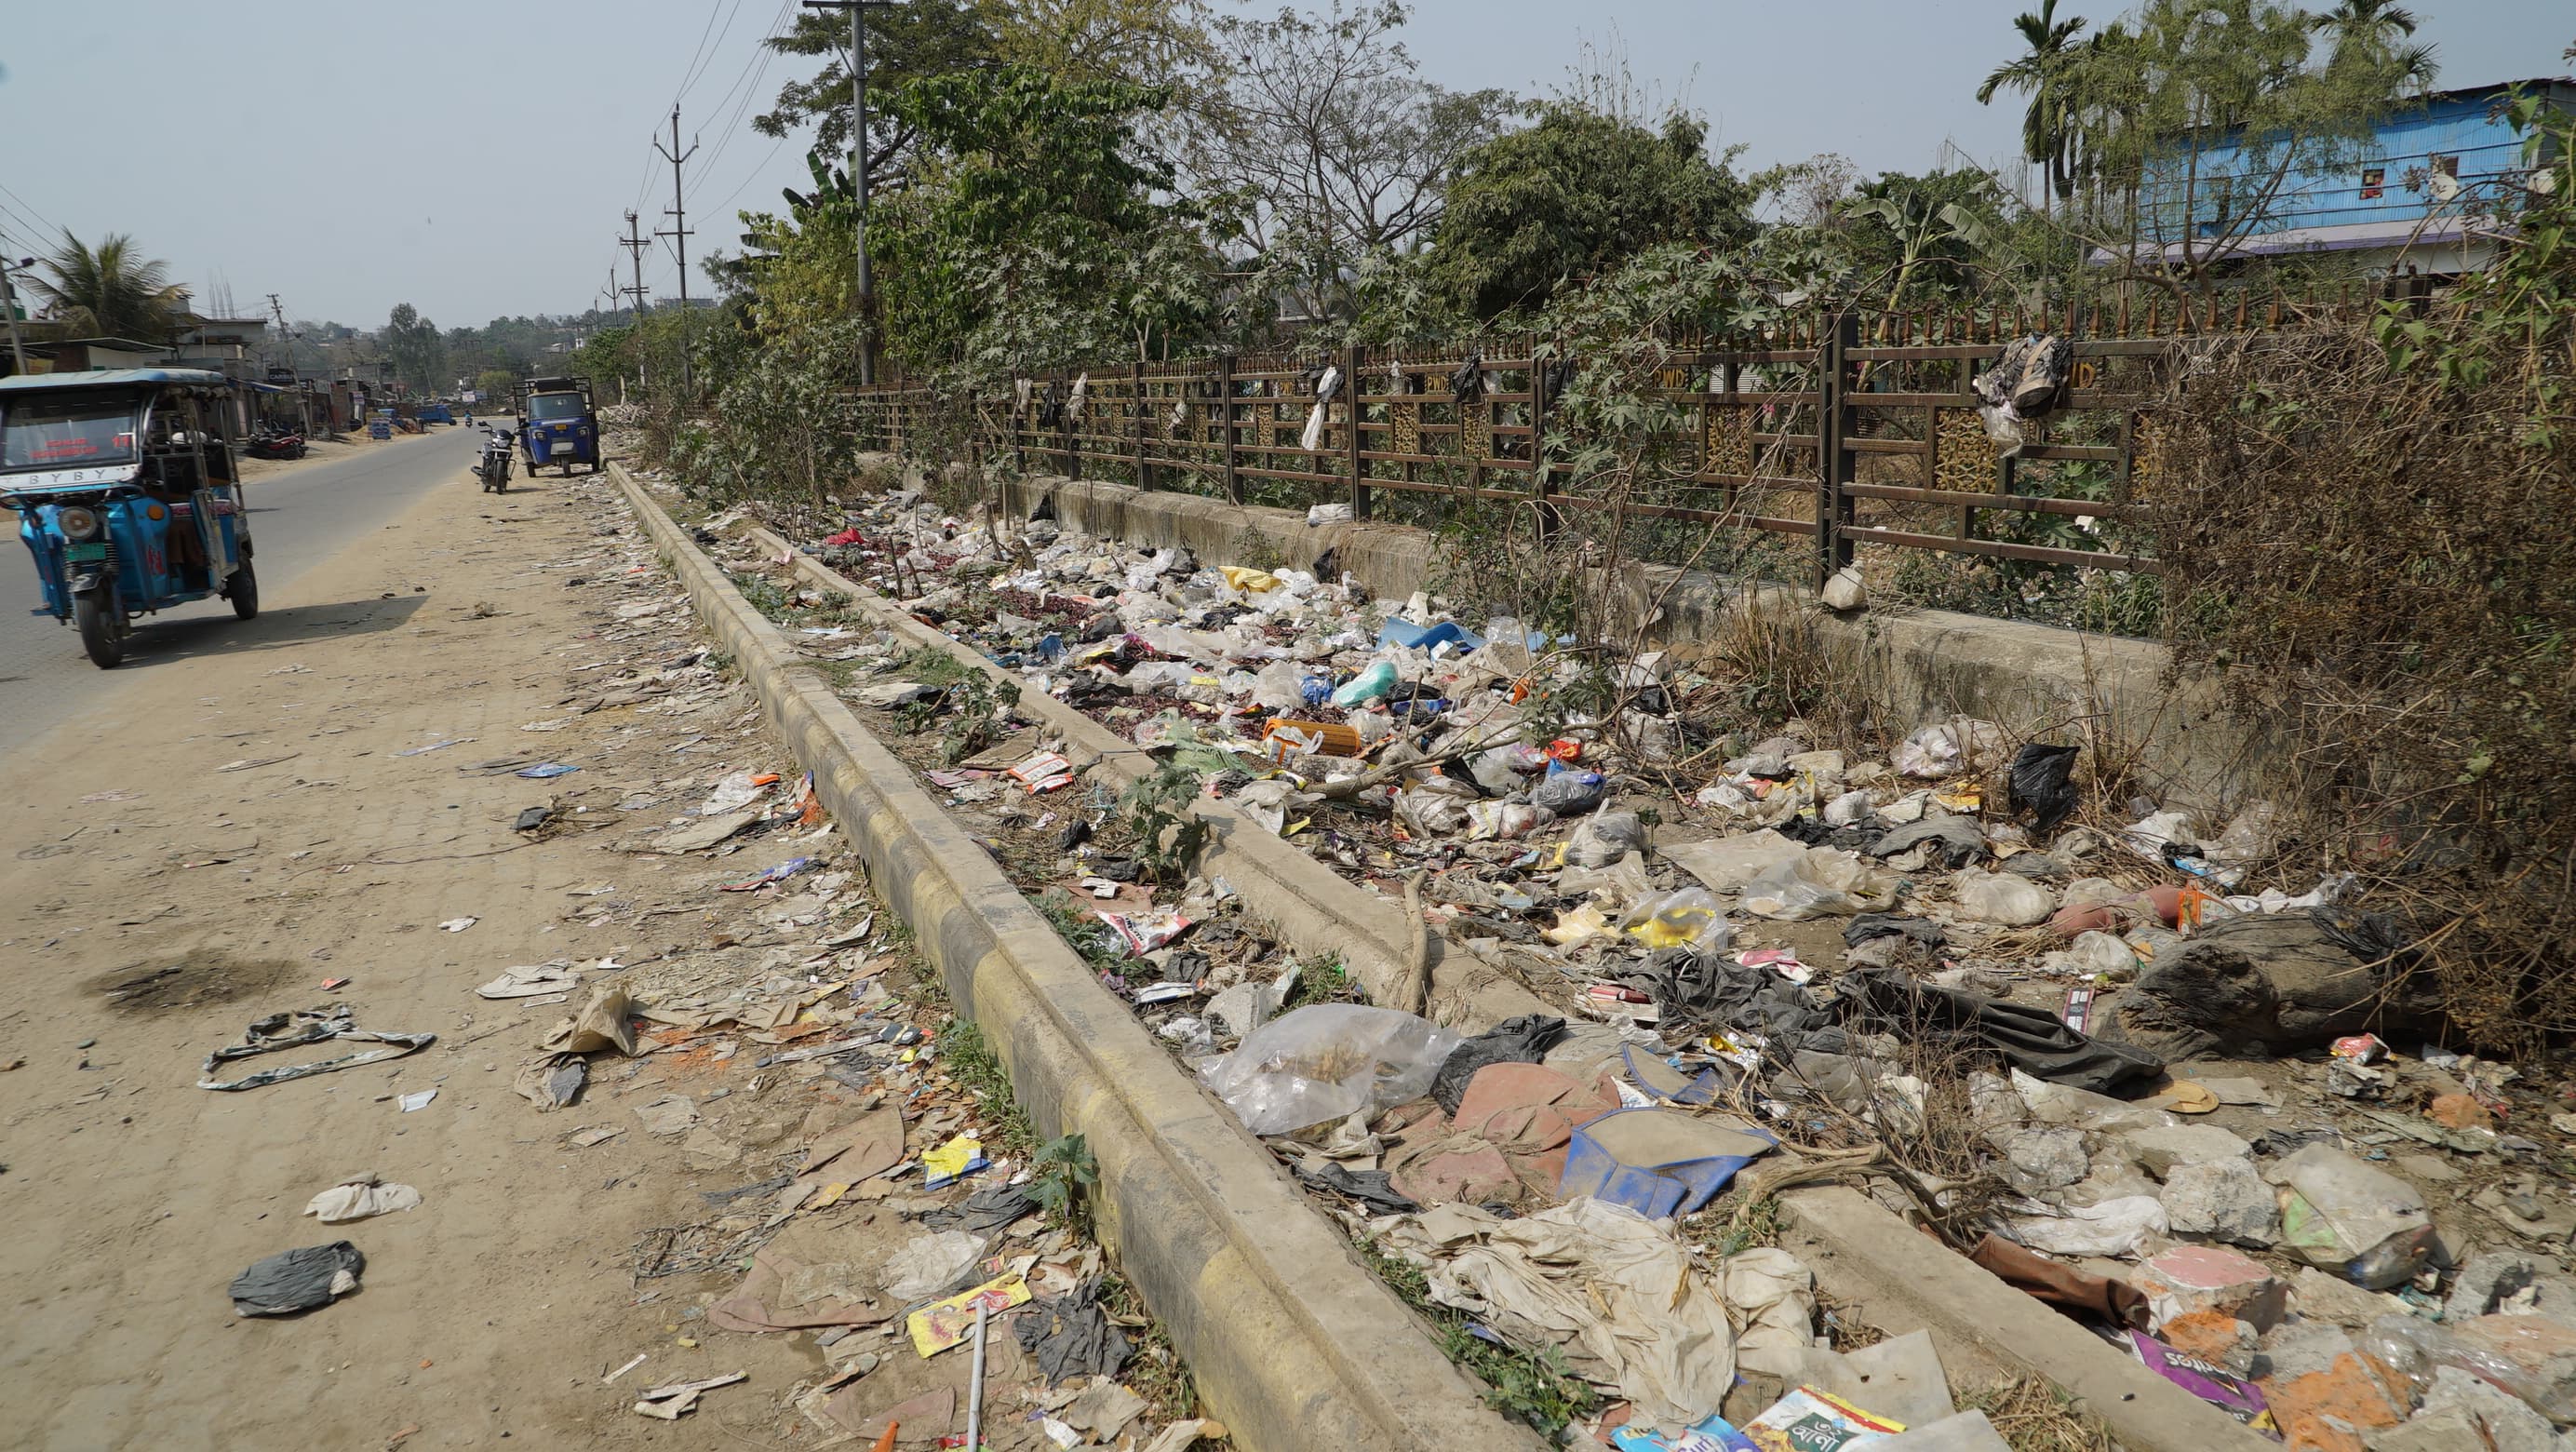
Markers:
1522,1040
2041,781
1071,1336
2033,1039
297,1280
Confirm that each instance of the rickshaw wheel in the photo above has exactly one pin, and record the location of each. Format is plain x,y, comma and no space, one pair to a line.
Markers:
243,589
99,634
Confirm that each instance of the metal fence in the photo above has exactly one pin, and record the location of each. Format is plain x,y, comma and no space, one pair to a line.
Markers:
1841,434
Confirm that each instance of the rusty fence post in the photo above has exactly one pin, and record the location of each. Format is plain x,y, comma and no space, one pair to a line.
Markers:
1225,425
1351,395
1144,470
1541,487
1836,422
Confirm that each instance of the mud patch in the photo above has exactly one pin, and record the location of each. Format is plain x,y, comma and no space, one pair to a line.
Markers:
189,980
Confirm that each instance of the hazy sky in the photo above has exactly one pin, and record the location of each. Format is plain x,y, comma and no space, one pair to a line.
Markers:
477,158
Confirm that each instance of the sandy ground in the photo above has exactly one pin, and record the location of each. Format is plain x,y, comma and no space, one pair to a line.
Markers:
492,1311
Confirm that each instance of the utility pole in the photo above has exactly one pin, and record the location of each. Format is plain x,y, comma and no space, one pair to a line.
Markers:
9,307
859,160
303,398
634,242
679,233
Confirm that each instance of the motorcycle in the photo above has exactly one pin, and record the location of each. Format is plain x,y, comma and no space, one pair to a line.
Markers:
493,468
272,443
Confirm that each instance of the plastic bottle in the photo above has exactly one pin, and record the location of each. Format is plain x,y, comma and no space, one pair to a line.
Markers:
1372,684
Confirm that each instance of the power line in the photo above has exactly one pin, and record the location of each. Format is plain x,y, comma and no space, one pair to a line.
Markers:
747,84
41,222
689,72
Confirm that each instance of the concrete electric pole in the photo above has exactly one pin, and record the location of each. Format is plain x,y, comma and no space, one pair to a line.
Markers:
867,292
679,233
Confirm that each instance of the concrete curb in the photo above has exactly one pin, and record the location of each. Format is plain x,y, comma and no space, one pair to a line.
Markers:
1858,1249
1295,1345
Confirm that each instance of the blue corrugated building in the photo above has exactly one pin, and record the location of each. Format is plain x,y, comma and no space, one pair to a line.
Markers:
2389,204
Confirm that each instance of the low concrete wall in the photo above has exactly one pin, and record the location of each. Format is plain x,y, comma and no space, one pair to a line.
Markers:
1916,666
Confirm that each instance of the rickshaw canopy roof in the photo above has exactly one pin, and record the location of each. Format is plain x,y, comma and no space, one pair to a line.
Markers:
114,378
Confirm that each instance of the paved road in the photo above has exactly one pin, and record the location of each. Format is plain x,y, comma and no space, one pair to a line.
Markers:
300,519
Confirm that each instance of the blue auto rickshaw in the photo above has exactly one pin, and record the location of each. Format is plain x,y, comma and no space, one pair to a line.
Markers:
557,424
128,496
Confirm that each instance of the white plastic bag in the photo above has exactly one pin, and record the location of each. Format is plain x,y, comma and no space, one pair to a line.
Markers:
1949,748
1326,1062
1817,883
2115,1227
2001,897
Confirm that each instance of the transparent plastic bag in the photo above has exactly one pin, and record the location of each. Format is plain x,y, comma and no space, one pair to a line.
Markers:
1820,882
1326,1062
2412,1352
1617,885
1604,838
1685,917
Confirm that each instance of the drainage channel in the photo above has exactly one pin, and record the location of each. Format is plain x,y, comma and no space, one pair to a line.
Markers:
1076,853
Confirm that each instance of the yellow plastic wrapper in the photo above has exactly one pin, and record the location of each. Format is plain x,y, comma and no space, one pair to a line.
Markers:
1253,582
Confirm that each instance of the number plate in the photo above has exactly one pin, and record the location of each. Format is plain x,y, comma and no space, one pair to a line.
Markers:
85,553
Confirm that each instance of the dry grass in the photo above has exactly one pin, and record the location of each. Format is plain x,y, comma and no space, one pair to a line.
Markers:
2032,1414
2374,562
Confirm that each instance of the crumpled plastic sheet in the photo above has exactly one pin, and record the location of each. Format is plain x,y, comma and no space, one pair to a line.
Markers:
1772,1297
297,1280
1371,1188
1614,1291
1695,988
1071,1336
985,1211
2113,1229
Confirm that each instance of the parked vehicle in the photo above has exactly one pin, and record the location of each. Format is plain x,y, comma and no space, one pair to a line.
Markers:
430,413
127,496
557,423
274,443
493,468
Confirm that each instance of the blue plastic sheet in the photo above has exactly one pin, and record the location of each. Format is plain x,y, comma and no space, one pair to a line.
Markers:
1657,1162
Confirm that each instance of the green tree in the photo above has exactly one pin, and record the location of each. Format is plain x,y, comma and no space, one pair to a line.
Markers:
906,43
108,291
495,384
1036,234
2375,36
2047,125
1330,146
418,351
1575,194
2204,119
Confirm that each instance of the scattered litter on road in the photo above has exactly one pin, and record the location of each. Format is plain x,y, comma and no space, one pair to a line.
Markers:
412,1103
669,1403
546,771
457,925
306,1026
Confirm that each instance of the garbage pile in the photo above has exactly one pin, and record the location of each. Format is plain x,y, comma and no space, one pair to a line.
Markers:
1763,946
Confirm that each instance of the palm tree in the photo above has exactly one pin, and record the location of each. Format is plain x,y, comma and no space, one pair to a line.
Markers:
2375,34
108,291
2046,137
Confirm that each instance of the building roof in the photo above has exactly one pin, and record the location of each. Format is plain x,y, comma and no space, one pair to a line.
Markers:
111,378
